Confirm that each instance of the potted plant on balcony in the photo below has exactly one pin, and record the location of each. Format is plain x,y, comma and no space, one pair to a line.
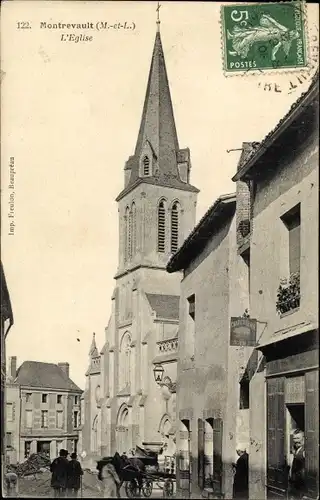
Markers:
288,296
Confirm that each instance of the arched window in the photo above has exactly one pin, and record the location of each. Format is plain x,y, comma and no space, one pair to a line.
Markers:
175,227
146,165
127,242
161,227
125,360
134,228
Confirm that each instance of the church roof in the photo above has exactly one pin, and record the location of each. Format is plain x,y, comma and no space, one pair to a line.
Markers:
165,306
158,131
44,375
211,222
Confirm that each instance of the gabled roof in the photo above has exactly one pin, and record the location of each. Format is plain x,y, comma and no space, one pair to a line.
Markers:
165,306
44,375
293,114
223,208
158,130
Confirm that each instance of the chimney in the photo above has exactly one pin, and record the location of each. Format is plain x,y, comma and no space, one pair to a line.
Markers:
64,367
13,367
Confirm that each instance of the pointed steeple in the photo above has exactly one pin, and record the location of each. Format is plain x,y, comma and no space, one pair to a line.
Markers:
93,353
157,142
157,122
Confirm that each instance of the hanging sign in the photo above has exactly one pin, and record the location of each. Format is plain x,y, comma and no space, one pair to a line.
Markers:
243,331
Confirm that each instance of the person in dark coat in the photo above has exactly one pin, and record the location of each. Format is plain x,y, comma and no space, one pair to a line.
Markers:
59,470
241,477
297,486
74,476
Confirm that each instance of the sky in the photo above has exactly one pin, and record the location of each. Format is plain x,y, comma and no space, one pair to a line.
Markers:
70,118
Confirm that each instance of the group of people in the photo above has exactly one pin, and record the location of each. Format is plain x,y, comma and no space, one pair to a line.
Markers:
66,475
296,470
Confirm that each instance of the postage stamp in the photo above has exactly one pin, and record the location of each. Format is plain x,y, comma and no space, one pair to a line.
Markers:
264,36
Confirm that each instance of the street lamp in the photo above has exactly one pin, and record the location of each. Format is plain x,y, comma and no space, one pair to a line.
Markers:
158,373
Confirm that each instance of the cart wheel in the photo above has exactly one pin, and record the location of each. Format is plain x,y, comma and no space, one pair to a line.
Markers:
168,488
131,488
147,487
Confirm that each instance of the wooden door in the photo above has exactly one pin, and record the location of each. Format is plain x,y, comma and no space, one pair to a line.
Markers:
277,469
312,433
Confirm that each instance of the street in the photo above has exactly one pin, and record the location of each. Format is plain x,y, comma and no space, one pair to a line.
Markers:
39,486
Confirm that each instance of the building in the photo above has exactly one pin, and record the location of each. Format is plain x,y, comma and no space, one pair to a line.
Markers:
281,175
42,410
124,406
212,382
6,323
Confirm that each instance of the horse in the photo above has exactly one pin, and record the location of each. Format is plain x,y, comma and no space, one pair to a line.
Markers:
133,465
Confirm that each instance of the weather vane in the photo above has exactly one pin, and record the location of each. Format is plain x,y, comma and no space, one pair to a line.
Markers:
158,15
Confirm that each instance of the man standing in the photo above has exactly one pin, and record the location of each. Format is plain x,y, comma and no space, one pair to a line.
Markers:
241,477
296,487
74,476
59,470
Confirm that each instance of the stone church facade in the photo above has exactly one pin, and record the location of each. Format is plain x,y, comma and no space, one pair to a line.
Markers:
123,406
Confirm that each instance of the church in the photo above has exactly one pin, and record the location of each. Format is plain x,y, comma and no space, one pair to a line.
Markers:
123,405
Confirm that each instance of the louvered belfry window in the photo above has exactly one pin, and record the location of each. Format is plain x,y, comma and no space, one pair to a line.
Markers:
174,228
130,236
134,229
161,227
146,165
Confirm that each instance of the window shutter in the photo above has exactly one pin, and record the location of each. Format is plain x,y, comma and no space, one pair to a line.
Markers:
277,471
312,433
201,453
217,455
174,228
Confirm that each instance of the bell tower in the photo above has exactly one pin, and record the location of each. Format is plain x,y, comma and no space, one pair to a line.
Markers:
158,202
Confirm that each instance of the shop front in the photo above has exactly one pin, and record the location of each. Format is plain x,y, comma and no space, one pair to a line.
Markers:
292,387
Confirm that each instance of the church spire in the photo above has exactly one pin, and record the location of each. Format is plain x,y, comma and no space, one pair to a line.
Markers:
93,349
157,122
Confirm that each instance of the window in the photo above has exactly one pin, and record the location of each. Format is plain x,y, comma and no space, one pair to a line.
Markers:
75,446
44,419
192,306
9,439
161,227
75,419
125,360
246,258
76,400
9,412
146,165
59,399
128,228
28,419
44,398
28,397
244,393
27,448
133,229
59,420
174,228
292,222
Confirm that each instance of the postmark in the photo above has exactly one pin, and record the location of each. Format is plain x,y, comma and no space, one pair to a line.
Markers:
264,37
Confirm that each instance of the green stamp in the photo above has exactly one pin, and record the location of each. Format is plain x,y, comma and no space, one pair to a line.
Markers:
264,36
